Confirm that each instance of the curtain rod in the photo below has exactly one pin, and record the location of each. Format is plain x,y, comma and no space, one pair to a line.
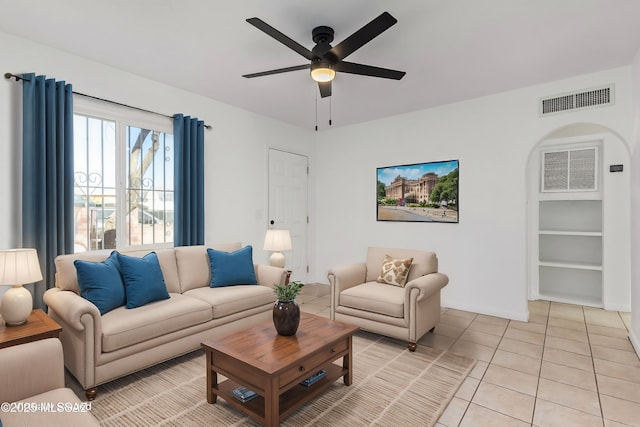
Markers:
18,78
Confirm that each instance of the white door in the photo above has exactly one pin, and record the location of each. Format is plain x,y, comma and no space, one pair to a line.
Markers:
288,176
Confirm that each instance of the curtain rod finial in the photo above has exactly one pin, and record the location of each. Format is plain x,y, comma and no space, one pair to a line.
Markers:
8,75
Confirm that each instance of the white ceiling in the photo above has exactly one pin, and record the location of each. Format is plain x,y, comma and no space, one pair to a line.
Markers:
452,50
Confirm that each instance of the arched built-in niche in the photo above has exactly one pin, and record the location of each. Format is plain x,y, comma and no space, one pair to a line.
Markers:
578,239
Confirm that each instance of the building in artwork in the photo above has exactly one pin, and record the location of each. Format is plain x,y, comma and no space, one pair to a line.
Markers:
412,190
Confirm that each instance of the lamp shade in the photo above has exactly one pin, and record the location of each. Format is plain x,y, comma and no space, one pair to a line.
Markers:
277,240
19,266
322,71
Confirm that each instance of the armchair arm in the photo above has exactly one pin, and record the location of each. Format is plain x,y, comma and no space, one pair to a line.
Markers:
427,285
345,277
269,275
70,307
23,373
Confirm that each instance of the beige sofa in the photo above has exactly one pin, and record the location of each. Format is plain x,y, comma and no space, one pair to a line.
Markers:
405,313
99,348
32,378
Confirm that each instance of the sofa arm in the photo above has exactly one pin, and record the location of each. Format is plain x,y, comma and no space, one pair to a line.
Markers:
268,275
342,278
30,369
70,307
427,285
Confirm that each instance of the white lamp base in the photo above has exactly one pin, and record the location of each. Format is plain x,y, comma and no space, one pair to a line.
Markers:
16,307
277,260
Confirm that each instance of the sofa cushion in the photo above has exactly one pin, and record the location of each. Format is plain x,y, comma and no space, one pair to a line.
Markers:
122,328
375,297
233,299
194,269
232,268
143,280
424,262
101,283
394,271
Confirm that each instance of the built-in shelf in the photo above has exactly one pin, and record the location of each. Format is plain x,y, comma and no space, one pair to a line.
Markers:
571,233
574,265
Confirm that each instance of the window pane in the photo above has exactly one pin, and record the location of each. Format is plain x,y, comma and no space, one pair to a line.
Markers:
149,187
95,183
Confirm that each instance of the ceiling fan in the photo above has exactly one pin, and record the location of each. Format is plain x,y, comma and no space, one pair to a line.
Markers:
327,60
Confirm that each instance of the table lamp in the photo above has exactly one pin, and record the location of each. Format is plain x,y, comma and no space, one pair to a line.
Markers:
277,241
18,267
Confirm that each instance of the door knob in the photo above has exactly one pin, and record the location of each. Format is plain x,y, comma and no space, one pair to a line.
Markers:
272,222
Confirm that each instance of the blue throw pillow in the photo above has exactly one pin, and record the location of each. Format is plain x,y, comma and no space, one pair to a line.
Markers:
232,268
143,280
101,283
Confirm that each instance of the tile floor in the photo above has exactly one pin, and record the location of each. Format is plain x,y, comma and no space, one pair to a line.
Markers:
568,366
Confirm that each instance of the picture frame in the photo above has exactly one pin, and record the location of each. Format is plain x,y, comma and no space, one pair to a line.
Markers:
418,192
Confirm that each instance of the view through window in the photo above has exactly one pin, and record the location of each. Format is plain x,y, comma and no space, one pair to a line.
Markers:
123,174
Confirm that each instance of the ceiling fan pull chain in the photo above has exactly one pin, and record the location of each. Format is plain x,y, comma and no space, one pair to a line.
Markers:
316,92
329,110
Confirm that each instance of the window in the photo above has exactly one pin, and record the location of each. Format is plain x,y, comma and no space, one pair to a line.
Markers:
123,173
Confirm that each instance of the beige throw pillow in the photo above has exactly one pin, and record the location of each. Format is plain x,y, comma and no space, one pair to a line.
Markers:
395,271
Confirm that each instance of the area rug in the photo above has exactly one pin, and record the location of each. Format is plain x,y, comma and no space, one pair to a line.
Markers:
391,387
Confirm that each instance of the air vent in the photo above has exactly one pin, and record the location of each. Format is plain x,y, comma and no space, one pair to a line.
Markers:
577,100
570,170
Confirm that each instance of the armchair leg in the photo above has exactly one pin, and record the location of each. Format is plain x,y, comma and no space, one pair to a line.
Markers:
91,393
412,346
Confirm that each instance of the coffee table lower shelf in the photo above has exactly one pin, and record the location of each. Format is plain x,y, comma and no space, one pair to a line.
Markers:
290,400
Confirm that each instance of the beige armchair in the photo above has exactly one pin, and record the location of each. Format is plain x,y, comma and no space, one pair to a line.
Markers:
32,385
405,313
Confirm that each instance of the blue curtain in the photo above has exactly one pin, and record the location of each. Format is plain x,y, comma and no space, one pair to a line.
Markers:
47,173
188,223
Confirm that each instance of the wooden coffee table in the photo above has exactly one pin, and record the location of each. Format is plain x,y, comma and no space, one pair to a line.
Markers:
273,365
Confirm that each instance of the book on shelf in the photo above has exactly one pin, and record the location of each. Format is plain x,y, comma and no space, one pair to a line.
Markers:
314,378
244,394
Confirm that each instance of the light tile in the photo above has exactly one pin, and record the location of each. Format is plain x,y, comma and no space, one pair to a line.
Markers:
507,402
568,345
608,331
567,358
570,334
481,338
441,342
568,324
568,375
492,319
511,379
452,416
468,388
620,410
614,355
538,328
478,416
552,414
617,370
611,342
518,362
626,319
566,311
538,318
567,395
461,313
451,331
525,336
622,389
523,348
539,307
488,327
601,317
450,319
479,370
473,350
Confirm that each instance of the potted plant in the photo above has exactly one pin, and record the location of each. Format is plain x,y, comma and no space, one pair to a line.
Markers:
286,312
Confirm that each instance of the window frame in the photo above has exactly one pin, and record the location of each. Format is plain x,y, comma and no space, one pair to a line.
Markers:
123,116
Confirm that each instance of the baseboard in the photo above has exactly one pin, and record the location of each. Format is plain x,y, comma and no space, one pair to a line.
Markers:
521,316
635,342
625,308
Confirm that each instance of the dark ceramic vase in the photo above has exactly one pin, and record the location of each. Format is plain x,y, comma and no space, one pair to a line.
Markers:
286,317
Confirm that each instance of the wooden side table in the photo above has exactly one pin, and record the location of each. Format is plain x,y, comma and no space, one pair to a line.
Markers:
38,327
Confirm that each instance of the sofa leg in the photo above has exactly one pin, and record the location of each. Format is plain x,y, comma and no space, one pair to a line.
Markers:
91,393
412,346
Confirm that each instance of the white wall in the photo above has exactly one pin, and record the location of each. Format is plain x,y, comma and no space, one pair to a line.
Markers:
634,334
235,150
485,254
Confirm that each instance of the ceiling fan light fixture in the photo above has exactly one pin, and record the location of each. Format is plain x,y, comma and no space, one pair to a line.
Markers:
322,72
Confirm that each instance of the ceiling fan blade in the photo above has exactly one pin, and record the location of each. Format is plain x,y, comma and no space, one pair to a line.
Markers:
325,89
278,71
363,35
368,70
285,40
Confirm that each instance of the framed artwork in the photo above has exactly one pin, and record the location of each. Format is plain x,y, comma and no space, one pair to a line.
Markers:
418,192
